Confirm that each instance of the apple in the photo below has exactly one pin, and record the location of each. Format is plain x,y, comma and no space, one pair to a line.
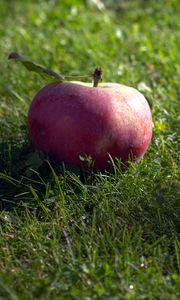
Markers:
70,119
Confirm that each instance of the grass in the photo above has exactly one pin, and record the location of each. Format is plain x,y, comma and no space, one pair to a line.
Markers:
66,235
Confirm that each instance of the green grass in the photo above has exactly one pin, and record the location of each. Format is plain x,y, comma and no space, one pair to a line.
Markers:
68,235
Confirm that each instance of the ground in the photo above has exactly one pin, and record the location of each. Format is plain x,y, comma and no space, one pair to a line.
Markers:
65,234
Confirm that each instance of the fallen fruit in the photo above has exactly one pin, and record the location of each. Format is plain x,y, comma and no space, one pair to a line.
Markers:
70,119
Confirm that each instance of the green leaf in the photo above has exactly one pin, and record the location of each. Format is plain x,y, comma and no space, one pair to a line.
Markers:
34,161
45,73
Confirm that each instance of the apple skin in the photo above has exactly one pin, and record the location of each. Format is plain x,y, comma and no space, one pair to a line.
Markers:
70,119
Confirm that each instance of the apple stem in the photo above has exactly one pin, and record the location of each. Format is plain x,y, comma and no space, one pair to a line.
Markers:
97,76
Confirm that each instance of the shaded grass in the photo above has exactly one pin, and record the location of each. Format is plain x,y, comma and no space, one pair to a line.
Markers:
72,235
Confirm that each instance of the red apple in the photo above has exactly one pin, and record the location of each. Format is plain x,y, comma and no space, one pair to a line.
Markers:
70,119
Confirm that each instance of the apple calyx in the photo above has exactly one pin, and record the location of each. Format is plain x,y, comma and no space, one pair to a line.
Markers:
52,76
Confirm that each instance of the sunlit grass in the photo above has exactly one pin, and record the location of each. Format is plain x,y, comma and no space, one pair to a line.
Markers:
72,235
